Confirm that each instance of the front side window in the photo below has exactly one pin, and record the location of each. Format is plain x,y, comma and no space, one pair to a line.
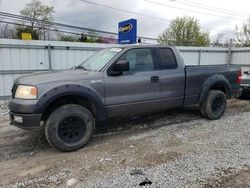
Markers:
139,60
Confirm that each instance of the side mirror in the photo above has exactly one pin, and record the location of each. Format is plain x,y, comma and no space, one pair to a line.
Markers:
119,67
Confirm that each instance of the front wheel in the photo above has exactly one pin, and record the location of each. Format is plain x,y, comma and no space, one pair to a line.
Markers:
69,127
214,105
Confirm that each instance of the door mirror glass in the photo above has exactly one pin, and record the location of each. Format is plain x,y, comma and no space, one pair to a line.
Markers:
119,67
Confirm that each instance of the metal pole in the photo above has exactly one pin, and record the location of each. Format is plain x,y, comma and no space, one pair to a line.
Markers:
229,61
199,61
49,56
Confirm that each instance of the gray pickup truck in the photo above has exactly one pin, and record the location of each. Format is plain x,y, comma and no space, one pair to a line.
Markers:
116,82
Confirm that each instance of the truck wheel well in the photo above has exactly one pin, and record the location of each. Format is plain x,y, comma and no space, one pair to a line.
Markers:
220,87
215,83
70,99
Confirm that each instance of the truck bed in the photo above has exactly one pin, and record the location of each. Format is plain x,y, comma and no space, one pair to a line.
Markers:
197,75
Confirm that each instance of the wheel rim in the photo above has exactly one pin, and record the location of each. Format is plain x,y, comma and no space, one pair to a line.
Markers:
71,129
217,105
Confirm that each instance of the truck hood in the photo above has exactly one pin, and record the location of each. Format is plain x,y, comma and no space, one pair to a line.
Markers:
57,76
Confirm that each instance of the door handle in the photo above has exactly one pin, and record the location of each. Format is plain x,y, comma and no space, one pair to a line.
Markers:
154,78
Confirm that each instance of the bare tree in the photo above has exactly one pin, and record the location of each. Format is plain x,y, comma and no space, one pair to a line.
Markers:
7,31
218,40
35,11
243,34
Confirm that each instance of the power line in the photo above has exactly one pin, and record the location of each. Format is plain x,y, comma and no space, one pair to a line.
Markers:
123,10
54,23
216,8
48,29
206,7
12,19
179,8
22,18
65,25
68,32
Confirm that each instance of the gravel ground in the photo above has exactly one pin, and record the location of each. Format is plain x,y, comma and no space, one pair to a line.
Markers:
177,148
3,110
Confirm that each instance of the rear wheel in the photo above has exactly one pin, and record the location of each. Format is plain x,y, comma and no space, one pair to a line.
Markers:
214,105
69,127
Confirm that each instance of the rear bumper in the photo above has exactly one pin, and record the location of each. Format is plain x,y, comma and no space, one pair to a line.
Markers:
245,86
245,89
25,121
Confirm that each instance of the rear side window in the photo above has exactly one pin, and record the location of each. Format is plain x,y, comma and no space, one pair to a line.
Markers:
166,58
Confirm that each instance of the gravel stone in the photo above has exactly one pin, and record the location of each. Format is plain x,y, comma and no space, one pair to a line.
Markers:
173,149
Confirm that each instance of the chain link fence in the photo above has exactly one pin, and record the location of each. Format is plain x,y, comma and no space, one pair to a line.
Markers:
18,58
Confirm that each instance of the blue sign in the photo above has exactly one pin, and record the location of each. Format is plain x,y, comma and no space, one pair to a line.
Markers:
127,31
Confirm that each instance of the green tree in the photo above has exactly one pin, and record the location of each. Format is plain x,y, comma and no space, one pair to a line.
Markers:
21,29
184,31
36,10
68,38
243,34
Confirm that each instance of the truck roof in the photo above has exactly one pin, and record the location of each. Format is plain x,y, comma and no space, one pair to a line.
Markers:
141,45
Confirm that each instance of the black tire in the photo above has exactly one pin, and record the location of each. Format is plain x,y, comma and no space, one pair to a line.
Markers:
245,94
69,127
214,105
203,110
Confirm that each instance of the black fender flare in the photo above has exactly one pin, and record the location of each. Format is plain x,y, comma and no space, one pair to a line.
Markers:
72,89
213,81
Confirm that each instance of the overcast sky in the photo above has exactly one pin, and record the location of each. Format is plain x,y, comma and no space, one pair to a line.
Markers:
77,12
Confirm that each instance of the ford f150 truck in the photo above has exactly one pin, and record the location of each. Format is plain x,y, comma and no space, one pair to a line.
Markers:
117,82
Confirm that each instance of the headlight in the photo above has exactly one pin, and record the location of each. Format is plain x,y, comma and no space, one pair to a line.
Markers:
26,92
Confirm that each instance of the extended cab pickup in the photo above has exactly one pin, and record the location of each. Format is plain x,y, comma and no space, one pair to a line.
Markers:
114,82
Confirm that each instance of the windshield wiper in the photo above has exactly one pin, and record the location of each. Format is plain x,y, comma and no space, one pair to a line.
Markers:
81,67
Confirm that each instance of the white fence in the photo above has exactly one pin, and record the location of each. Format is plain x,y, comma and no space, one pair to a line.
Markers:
19,57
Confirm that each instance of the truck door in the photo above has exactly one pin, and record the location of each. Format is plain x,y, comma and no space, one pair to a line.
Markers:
172,78
137,90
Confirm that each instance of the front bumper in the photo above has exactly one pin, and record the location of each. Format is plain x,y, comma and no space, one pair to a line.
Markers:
26,121
24,106
25,114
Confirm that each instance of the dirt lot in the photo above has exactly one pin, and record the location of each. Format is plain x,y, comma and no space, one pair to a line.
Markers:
177,148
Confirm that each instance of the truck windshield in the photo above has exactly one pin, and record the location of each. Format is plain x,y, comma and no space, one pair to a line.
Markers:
97,61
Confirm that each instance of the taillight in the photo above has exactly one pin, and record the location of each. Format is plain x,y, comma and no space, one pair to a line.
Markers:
239,77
